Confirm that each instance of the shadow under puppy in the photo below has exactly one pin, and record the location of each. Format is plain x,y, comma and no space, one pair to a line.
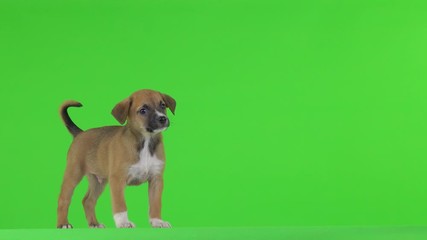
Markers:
121,155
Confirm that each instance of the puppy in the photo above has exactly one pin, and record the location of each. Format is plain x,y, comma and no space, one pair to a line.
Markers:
121,155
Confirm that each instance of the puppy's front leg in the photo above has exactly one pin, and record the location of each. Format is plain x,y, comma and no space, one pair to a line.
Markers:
155,188
117,185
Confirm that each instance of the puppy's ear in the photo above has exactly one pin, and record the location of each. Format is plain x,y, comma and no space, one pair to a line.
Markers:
170,102
121,110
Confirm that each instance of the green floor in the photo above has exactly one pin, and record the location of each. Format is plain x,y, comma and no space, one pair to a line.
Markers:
288,233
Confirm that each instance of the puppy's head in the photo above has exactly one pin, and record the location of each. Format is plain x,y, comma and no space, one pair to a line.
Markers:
145,111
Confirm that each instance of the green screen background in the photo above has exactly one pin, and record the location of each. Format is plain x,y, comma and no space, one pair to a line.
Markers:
289,113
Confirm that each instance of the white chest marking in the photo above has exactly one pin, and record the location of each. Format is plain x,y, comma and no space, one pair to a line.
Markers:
148,165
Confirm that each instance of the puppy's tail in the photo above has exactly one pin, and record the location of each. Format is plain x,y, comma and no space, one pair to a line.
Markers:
71,126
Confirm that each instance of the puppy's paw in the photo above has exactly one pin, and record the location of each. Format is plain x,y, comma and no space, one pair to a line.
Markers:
159,223
122,221
127,224
65,226
94,225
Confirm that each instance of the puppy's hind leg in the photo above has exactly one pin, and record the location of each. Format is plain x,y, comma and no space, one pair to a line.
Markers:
73,175
96,187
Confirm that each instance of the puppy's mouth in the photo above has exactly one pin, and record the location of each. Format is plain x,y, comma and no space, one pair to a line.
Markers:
157,130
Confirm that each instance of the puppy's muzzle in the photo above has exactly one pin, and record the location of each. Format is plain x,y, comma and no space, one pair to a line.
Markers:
160,122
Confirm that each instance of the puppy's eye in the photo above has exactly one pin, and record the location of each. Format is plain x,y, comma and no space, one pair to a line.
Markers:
163,105
143,111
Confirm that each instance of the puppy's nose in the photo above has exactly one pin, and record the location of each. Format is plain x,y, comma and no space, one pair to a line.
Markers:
162,119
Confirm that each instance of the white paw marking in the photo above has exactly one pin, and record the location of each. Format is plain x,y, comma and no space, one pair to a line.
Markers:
66,226
97,225
159,223
122,221
127,224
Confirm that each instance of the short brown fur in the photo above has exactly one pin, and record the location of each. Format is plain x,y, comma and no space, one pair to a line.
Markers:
105,154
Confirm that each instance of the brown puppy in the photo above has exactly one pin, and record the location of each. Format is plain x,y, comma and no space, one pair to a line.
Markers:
122,155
